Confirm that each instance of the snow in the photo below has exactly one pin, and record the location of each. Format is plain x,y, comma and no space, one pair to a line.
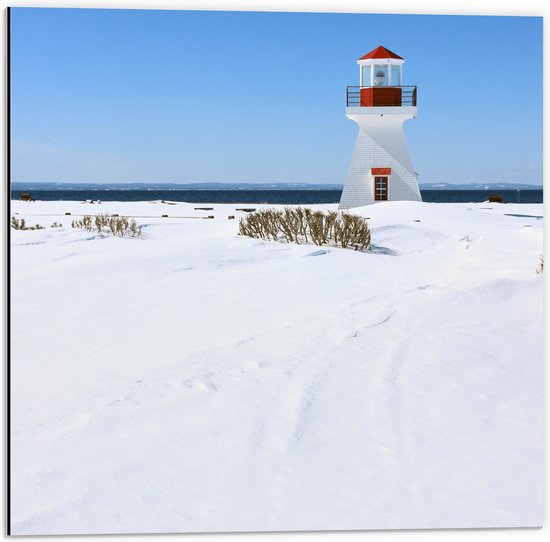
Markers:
193,380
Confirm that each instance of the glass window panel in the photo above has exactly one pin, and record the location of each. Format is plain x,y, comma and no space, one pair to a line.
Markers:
381,188
395,76
380,75
365,76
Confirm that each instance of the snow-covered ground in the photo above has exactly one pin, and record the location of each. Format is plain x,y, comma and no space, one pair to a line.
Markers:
195,380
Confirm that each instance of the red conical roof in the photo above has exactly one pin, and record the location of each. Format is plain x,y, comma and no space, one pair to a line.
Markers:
380,52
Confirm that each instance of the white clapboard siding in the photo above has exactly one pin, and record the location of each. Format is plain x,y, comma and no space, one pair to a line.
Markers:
380,143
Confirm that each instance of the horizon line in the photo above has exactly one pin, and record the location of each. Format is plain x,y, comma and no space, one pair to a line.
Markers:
512,183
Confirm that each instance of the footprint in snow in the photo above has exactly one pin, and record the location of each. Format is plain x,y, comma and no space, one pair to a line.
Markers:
181,269
251,366
80,421
115,402
202,384
318,253
383,321
467,240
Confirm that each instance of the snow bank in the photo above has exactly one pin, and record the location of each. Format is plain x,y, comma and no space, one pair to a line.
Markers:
194,380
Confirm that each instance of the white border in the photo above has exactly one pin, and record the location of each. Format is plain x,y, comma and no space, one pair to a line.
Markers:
462,7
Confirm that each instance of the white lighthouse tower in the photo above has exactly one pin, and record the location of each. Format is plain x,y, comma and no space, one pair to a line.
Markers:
381,168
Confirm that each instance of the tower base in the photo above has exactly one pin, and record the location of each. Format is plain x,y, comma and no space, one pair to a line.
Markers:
381,169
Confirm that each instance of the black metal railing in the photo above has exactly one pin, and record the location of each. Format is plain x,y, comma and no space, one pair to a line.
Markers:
407,96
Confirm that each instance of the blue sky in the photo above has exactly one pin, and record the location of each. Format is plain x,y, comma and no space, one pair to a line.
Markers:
183,96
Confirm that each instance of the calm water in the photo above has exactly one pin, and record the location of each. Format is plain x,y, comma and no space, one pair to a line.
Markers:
291,197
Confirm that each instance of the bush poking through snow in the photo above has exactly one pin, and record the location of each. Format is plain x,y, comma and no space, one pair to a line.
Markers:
84,223
19,224
302,225
113,224
541,266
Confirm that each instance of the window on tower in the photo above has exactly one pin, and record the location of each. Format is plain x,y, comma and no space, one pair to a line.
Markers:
365,76
380,75
380,189
395,76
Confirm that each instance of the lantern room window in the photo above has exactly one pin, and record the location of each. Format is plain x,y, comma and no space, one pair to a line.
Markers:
396,76
380,75
366,76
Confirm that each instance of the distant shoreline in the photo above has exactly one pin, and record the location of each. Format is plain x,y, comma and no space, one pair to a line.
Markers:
57,186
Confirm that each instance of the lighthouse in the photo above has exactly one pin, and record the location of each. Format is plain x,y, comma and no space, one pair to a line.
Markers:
381,169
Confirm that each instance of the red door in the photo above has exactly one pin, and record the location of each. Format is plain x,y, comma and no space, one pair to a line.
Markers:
380,189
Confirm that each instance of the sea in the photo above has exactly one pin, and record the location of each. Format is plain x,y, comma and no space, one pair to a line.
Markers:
280,197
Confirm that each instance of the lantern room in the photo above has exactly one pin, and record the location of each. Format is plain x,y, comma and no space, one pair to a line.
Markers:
380,68
381,81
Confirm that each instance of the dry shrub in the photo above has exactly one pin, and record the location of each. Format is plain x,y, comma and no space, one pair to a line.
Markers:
19,224
113,224
85,223
302,225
